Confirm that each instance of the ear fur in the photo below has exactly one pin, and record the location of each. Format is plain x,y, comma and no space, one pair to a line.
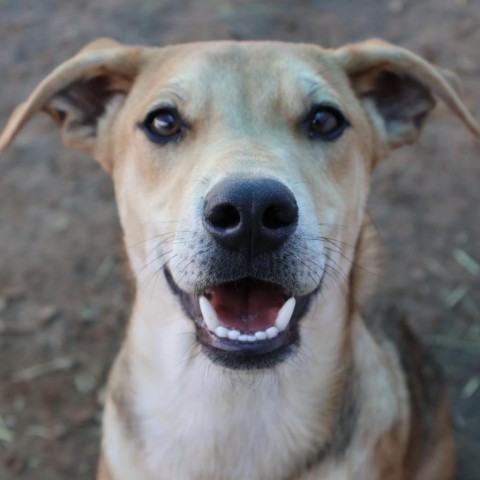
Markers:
78,92
398,89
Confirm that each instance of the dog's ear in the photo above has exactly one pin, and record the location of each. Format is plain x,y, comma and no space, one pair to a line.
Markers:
398,89
78,93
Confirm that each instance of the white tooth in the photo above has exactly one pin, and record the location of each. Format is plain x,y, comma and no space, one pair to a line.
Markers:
271,332
285,314
251,338
209,315
243,338
233,334
260,335
221,332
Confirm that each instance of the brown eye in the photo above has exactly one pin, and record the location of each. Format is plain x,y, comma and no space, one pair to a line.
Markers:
326,123
162,125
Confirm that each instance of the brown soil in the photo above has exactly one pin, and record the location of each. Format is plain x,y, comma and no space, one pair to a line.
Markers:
64,296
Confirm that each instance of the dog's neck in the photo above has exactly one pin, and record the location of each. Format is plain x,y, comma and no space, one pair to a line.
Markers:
180,392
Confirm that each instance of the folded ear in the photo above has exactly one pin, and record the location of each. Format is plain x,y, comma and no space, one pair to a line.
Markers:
78,93
398,89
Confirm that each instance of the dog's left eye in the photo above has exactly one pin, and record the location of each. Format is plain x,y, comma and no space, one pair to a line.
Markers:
163,125
326,123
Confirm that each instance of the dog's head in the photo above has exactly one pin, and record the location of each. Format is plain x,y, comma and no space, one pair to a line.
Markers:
241,169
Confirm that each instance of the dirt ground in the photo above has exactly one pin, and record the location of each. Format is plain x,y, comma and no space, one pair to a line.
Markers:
64,292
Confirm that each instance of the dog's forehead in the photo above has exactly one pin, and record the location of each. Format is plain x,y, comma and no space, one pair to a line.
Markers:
268,72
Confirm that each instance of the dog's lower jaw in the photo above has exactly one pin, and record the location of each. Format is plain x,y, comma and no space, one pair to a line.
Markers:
256,425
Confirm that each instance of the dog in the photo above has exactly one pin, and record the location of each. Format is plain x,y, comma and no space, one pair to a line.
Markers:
241,172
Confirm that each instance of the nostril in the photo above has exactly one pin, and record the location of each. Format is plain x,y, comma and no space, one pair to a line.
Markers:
279,216
224,216
250,215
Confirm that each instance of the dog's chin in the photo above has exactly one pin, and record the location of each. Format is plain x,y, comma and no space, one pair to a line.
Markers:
245,324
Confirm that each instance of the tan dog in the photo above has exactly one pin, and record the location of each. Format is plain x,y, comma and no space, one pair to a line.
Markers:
241,173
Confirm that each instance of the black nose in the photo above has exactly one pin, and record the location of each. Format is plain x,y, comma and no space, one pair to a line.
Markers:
251,216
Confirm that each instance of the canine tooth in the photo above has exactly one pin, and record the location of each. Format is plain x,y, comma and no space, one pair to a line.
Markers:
285,314
271,332
260,335
209,315
243,338
233,334
221,332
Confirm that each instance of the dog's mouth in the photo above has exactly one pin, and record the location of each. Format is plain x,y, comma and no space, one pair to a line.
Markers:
244,324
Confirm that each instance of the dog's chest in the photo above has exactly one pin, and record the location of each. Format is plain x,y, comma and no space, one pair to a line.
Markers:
252,431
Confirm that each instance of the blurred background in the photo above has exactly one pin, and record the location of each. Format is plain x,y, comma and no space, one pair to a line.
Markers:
64,285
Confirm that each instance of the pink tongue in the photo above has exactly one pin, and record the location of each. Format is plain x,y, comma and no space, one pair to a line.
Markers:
247,305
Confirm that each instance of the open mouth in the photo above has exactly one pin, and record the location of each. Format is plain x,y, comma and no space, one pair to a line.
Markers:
245,324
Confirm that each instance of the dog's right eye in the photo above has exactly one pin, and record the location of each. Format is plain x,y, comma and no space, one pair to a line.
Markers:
163,125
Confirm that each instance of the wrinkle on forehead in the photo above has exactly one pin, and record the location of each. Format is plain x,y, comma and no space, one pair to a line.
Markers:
243,85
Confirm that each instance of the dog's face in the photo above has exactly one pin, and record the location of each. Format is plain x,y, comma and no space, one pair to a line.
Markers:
240,175
241,170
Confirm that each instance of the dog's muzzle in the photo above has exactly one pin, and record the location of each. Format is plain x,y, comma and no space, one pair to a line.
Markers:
247,322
